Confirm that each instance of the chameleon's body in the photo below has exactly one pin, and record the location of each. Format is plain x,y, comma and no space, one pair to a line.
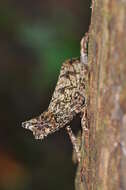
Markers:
69,98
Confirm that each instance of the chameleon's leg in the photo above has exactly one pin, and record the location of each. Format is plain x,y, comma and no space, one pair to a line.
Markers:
84,119
73,139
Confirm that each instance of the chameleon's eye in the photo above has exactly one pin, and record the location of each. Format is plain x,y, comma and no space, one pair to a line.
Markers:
41,126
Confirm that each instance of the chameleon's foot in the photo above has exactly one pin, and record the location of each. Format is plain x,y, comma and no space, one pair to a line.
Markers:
83,51
92,6
73,139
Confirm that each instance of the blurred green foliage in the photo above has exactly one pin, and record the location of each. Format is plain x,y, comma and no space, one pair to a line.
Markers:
44,40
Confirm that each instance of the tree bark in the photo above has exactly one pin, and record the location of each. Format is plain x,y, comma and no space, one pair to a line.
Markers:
103,149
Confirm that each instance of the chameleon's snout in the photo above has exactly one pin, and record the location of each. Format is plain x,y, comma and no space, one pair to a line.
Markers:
39,130
26,125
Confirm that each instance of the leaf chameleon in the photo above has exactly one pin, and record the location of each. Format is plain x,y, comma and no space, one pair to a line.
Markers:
69,98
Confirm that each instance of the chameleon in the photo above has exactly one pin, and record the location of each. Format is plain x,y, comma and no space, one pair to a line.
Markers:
68,99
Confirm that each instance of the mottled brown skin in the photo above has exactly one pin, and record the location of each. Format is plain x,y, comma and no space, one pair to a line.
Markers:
68,100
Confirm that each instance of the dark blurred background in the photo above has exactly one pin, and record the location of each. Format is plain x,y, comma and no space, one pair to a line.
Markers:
35,38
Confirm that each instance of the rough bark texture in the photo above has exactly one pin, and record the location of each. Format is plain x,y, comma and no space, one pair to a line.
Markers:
103,151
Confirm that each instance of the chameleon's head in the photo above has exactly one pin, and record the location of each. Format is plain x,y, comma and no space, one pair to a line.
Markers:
41,126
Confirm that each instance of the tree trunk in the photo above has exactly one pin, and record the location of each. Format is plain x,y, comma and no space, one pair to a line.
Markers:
103,150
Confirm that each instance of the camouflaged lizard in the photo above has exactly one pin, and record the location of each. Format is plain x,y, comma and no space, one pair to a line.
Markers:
69,99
